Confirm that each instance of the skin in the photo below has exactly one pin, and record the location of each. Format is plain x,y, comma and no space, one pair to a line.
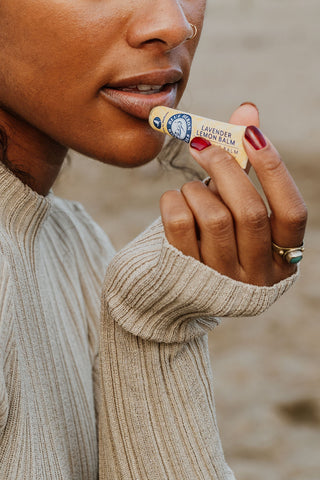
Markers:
55,55
234,229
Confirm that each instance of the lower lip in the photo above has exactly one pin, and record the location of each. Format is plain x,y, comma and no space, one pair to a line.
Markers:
139,105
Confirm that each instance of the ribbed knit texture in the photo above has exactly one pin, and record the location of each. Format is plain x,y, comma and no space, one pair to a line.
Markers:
52,262
149,385
157,417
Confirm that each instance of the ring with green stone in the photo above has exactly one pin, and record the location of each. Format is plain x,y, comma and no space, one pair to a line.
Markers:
290,255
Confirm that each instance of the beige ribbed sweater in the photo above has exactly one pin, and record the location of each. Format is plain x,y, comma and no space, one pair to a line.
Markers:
155,400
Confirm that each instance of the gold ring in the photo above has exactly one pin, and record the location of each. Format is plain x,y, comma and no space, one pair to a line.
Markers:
290,255
194,32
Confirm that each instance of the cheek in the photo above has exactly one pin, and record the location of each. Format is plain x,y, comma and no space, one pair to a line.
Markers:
195,12
51,56
47,50
48,53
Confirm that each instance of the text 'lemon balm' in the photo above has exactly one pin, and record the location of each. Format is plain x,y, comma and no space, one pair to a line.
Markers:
186,126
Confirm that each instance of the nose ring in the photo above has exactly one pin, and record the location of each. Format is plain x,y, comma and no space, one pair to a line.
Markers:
194,32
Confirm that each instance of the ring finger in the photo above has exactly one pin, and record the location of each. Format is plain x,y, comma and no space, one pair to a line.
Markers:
218,247
248,210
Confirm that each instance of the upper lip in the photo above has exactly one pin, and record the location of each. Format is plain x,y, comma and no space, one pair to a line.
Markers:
156,77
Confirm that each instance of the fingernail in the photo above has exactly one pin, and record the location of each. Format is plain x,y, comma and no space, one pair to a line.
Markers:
255,137
250,103
199,143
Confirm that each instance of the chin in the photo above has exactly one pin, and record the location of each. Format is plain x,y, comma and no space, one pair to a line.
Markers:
131,150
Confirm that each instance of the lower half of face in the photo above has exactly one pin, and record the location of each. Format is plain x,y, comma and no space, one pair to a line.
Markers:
87,75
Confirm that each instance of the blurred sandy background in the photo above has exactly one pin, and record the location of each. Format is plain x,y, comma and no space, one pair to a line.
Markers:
267,369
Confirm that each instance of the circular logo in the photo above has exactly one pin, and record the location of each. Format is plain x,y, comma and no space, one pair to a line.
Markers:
157,122
180,126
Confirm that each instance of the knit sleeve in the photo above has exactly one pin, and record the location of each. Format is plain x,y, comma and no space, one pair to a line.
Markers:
154,291
3,399
5,315
157,415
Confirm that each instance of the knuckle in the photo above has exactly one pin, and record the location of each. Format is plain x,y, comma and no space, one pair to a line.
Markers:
170,201
176,216
255,217
272,161
168,196
221,156
218,222
180,222
296,217
190,186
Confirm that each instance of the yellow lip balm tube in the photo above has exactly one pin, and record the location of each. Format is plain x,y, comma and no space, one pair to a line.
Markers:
186,126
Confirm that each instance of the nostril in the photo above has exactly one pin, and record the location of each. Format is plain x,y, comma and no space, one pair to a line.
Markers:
153,40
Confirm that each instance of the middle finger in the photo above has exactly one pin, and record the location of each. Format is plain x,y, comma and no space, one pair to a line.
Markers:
246,205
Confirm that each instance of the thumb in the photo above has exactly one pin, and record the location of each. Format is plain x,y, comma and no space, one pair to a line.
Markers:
247,114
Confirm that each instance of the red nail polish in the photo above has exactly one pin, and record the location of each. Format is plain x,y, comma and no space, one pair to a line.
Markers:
255,137
199,143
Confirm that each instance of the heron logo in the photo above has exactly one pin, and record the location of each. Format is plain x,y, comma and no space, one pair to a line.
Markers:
180,126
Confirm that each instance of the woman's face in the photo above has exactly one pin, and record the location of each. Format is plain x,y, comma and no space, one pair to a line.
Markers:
81,70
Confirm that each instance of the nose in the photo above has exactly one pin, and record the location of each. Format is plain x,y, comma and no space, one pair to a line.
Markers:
159,23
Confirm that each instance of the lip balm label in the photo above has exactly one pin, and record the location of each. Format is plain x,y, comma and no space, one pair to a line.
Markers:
186,126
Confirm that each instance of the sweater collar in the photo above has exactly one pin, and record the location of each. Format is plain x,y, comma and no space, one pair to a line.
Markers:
22,210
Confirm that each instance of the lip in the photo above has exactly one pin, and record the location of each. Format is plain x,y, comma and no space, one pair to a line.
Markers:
138,104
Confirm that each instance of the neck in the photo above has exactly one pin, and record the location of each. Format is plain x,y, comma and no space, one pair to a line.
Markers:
30,154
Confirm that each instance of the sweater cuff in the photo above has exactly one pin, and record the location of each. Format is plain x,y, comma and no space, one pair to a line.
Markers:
156,292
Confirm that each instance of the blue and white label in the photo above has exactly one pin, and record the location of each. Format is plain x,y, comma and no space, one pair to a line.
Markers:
157,122
180,126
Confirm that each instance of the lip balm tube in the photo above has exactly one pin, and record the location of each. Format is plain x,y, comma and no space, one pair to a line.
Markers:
186,126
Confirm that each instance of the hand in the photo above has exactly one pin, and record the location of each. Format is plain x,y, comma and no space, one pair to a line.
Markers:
226,225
